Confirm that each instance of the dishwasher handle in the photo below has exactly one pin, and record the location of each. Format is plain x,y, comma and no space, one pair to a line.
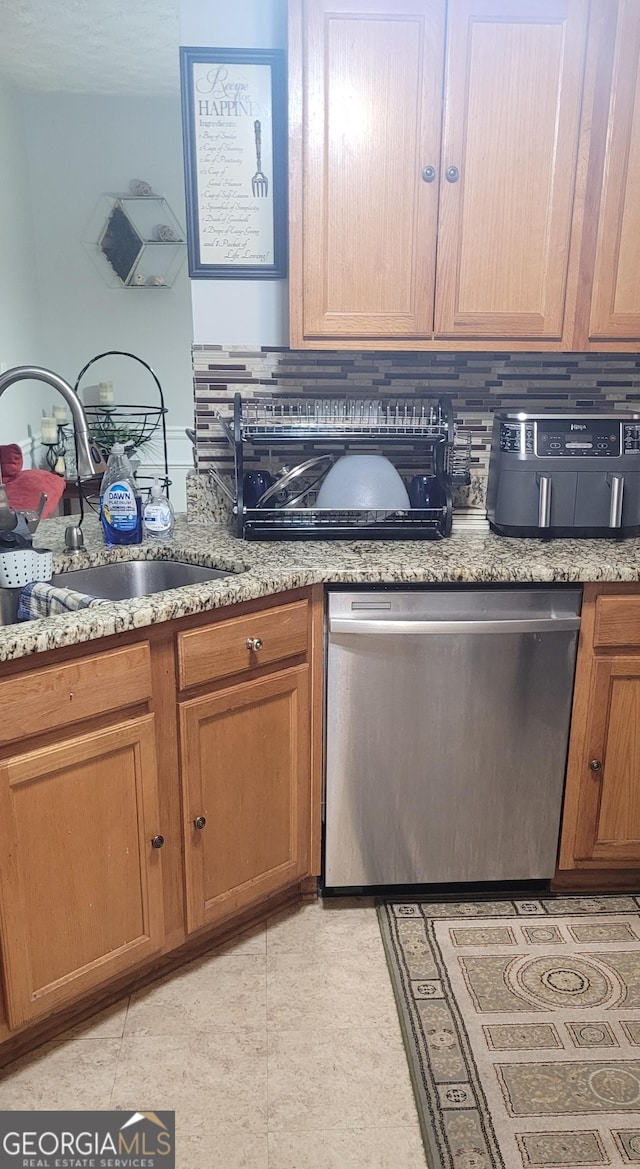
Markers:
500,625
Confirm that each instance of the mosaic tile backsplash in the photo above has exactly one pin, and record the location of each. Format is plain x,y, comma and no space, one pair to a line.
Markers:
479,385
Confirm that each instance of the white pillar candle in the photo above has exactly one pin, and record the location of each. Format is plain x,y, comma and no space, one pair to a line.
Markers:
61,415
105,394
48,431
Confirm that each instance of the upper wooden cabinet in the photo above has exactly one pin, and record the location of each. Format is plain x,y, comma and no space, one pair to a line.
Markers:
614,182
512,98
372,92
434,149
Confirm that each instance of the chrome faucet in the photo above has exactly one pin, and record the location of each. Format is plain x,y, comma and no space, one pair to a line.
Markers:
90,461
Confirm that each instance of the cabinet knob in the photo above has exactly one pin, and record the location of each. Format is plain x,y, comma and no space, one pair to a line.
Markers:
199,822
254,644
453,174
595,765
157,841
429,173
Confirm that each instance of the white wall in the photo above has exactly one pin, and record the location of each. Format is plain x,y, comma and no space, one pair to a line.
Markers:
55,308
79,147
237,312
20,333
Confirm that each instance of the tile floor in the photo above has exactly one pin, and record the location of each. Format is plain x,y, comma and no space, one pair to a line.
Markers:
279,1051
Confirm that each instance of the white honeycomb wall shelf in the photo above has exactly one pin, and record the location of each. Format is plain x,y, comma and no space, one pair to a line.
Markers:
136,240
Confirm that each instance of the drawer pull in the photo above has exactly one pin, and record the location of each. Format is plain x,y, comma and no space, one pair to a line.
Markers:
254,644
157,841
595,765
200,822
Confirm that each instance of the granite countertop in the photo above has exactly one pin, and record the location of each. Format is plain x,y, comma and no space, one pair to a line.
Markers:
266,568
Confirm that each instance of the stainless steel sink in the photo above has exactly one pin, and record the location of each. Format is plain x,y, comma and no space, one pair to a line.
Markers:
125,579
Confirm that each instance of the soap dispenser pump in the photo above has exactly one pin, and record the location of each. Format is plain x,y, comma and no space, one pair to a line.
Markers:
158,518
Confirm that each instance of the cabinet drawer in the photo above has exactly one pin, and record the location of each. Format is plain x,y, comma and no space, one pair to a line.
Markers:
59,695
221,650
617,621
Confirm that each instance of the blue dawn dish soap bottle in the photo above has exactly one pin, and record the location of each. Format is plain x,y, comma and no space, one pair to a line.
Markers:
158,517
120,504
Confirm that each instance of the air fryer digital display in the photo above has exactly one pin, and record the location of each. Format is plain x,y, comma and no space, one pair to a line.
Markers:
562,438
569,438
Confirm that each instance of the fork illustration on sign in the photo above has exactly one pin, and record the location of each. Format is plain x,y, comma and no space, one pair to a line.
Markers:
259,182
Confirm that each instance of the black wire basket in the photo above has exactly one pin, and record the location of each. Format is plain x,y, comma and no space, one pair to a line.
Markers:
133,426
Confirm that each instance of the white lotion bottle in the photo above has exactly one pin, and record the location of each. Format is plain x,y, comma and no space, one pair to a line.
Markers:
158,517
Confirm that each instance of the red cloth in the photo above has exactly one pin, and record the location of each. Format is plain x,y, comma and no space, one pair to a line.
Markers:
24,488
10,461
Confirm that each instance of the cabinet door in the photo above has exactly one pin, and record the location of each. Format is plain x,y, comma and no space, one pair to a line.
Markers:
607,827
245,755
372,92
80,883
513,91
615,305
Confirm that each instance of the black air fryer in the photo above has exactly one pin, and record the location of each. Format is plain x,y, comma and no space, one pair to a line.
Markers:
565,475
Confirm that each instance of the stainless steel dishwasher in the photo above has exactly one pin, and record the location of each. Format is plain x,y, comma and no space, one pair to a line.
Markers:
447,725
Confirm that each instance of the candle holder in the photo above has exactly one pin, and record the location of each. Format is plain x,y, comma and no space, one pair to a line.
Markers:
56,451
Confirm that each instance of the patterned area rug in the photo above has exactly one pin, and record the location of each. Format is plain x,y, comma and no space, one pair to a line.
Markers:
521,1021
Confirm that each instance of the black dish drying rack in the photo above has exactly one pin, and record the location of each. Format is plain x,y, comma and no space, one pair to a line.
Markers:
424,423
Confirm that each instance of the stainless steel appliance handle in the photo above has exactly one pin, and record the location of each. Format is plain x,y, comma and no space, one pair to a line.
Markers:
615,511
420,628
544,501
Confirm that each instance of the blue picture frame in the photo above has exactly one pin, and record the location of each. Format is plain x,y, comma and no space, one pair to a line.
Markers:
235,147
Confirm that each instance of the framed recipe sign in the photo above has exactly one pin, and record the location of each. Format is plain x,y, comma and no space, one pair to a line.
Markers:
234,126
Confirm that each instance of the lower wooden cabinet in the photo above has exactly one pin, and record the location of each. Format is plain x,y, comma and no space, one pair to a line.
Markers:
164,783
245,761
80,880
601,821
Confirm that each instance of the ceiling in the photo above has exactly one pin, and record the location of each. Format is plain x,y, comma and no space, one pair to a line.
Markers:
122,47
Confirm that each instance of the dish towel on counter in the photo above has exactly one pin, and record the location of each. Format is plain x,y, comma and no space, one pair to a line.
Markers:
40,599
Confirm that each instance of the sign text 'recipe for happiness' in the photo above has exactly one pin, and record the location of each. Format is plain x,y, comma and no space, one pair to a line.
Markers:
233,137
